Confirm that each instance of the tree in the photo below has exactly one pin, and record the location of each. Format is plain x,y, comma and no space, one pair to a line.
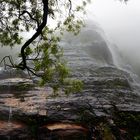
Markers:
40,55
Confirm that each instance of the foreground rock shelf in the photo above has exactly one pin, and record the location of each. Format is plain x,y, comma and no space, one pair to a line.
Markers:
13,130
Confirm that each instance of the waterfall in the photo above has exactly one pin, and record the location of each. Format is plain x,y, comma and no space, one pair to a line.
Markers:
10,117
97,45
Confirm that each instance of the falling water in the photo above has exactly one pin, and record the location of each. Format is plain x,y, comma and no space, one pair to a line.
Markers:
9,124
10,117
121,23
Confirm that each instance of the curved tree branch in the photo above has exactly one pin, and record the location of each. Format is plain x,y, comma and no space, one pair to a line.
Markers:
26,12
70,7
23,65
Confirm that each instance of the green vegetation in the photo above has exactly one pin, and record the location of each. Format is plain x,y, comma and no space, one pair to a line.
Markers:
41,54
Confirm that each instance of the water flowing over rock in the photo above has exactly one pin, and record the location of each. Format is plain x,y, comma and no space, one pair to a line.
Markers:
16,84
92,42
11,73
37,112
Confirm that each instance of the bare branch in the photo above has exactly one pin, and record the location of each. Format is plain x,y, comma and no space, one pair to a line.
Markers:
26,12
10,60
70,7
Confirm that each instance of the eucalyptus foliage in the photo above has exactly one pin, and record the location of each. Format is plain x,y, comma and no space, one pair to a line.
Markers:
41,55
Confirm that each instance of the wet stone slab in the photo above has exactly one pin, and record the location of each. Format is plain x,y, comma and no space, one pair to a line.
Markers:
20,84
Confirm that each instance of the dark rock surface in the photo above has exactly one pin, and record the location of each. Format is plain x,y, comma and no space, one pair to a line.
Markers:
13,131
105,89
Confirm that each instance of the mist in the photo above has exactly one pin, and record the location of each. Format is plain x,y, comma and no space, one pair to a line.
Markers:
121,25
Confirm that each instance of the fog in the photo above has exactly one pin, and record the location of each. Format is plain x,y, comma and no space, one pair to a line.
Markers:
121,25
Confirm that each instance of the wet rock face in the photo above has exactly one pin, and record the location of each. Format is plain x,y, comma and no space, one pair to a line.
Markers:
92,42
105,87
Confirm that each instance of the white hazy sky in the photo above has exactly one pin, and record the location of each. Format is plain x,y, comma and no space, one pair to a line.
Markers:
121,24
